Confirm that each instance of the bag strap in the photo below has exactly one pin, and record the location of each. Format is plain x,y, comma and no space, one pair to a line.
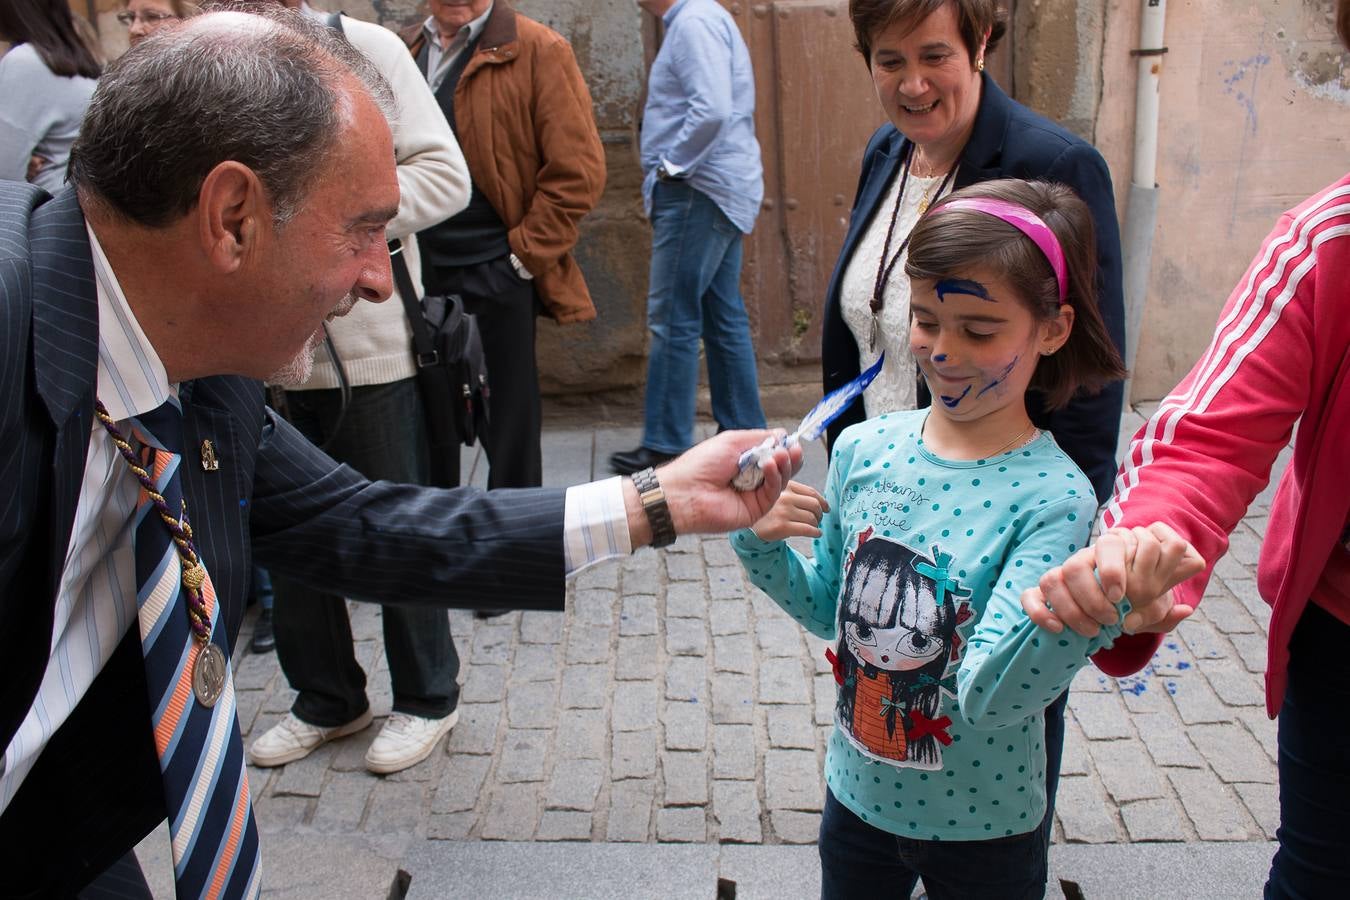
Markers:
424,348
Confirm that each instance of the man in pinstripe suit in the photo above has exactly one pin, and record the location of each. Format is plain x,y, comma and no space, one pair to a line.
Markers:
232,183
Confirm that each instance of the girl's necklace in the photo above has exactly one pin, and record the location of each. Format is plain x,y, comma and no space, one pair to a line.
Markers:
887,263
1015,442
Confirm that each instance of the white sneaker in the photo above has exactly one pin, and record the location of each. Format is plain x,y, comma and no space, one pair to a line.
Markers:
292,739
405,741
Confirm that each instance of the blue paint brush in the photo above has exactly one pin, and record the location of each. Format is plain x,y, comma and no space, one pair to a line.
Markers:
812,426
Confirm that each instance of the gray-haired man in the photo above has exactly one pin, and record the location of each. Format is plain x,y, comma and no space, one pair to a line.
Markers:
232,184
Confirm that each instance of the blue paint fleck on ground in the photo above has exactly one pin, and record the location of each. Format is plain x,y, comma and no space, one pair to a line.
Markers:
1132,685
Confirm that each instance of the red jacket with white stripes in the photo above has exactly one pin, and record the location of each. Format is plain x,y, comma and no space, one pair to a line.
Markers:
1281,351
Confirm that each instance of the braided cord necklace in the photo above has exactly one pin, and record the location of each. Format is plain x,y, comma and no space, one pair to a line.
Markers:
885,266
193,573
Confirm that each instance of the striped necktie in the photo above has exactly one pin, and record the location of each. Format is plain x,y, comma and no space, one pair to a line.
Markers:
201,755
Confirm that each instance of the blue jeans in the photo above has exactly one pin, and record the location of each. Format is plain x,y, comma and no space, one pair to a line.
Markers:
1314,764
695,290
860,861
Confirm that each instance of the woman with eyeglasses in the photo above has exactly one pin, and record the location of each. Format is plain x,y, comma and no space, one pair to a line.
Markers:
46,78
144,17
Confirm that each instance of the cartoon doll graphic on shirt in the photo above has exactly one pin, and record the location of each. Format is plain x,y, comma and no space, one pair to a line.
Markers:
900,644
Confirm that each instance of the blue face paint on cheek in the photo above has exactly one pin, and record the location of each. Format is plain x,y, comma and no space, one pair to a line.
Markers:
950,402
1007,370
961,286
941,357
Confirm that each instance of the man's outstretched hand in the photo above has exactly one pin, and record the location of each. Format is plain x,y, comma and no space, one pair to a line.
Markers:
698,489
1143,564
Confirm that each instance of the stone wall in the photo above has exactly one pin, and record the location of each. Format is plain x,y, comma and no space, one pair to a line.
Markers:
608,354
1255,107
1255,110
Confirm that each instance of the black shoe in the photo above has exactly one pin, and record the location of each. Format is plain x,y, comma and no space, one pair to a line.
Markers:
626,462
264,641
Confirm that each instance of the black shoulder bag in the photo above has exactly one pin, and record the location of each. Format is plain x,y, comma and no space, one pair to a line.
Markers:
451,371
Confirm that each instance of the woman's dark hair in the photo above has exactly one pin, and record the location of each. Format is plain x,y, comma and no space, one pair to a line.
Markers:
948,244
1343,21
973,19
50,27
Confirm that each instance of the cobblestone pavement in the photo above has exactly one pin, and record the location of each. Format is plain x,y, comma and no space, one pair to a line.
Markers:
671,702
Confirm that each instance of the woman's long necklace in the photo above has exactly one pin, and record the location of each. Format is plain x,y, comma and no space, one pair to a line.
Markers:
887,263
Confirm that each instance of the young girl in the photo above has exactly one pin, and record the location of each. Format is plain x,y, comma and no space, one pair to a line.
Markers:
931,525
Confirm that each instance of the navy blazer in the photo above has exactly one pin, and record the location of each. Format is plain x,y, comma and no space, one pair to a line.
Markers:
1008,141
95,790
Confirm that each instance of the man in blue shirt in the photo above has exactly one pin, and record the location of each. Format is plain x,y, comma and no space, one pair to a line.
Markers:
702,189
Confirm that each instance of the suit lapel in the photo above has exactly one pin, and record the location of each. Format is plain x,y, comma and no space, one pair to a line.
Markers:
982,157
65,307
65,354
884,168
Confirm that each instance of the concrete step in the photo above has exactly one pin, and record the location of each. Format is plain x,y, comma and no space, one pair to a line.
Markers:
441,869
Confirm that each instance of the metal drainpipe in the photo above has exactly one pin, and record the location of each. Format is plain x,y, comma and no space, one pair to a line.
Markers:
1142,213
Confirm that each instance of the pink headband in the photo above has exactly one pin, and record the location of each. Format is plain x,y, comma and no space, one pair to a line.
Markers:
1027,222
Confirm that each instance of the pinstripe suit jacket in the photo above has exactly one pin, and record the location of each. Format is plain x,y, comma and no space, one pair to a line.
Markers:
95,791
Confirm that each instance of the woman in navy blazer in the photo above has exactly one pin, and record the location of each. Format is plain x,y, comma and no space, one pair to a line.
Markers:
950,118
1007,140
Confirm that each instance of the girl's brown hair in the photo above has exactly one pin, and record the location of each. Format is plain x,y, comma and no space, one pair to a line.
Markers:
974,18
948,244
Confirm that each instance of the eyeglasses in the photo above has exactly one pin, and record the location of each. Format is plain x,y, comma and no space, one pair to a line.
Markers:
127,17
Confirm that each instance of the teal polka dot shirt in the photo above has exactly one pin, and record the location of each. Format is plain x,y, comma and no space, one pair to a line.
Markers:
989,529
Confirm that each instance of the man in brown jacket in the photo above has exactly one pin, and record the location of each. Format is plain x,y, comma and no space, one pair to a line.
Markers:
511,90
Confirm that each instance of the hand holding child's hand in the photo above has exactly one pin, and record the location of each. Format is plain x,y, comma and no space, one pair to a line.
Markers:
797,513
1141,563
1159,560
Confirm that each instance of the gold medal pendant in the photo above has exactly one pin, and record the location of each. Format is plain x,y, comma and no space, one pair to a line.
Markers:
208,675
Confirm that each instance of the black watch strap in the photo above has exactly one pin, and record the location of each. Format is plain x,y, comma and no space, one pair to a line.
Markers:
654,505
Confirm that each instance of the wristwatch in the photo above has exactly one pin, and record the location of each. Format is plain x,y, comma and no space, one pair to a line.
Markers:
654,505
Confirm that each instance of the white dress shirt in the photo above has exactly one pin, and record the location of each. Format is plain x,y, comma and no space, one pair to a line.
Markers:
96,601
439,60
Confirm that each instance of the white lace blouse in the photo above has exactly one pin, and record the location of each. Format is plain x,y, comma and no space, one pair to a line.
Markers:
894,387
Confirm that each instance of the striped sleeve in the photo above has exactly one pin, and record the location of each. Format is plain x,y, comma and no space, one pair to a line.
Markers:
1208,450
595,524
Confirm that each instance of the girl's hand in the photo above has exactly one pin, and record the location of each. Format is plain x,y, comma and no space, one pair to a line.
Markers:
1161,560
797,513
1141,563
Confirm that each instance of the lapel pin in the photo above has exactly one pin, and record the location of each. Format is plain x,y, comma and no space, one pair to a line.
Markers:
210,462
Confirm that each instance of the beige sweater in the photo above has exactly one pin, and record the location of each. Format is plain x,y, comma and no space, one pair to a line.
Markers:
374,340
